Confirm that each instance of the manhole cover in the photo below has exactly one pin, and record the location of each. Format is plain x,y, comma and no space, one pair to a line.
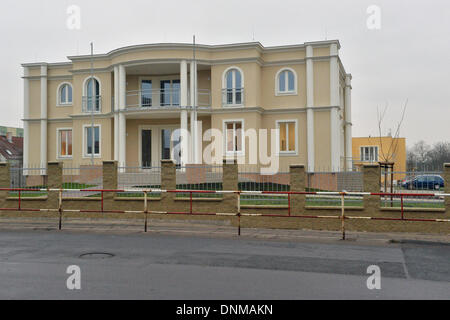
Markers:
96,255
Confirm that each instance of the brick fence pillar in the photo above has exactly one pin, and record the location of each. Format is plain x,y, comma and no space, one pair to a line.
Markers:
168,182
371,183
447,186
109,178
230,183
298,184
54,181
5,177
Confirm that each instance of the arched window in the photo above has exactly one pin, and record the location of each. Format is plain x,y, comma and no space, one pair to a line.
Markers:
65,94
286,82
92,98
233,91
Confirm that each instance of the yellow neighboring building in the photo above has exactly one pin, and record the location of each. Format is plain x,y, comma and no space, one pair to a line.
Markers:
385,149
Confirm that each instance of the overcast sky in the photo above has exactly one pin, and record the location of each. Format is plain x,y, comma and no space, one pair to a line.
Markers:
407,58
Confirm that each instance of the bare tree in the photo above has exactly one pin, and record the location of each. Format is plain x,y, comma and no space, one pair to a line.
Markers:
421,150
423,157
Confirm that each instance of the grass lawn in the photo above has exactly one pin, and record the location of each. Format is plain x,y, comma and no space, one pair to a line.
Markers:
76,185
397,204
36,193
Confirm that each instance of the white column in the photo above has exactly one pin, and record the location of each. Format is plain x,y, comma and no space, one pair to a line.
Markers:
194,104
334,114
192,88
44,117
184,114
26,116
309,108
348,121
122,117
116,114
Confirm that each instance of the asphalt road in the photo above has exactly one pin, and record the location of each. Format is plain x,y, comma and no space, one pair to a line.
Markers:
33,265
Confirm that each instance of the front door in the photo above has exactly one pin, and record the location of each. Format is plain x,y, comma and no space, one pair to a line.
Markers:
170,144
146,145
159,143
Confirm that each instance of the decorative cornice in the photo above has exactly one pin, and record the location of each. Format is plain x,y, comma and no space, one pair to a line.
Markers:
204,110
201,47
52,65
62,77
49,120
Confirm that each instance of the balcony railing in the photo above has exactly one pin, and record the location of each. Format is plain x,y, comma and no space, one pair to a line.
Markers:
92,104
233,97
163,98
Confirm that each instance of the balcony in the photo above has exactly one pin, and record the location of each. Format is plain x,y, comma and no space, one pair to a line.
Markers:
233,97
163,99
92,104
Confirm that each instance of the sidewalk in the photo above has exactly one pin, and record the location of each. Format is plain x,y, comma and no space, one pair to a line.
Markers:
208,229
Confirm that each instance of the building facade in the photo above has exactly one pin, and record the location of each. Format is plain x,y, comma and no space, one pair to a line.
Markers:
368,150
15,132
127,105
11,148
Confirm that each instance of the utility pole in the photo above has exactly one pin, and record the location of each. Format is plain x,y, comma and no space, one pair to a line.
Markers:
93,103
194,101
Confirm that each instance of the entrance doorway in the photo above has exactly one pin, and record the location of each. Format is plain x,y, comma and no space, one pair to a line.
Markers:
158,143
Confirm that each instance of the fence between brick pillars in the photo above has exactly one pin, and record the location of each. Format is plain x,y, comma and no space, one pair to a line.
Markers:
105,200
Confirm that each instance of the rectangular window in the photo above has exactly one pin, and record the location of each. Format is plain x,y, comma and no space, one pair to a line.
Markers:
369,154
165,143
176,92
291,81
146,93
233,136
288,137
170,92
65,143
146,152
92,141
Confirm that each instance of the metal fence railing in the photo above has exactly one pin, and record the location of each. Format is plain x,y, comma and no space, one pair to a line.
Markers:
32,178
157,98
85,176
251,178
199,177
138,178
334,181
292,213
412,182
91,104
233,96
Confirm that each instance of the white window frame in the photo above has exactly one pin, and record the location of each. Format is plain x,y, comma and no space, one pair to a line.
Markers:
225,137
58,143
152,91
159,90
287,153
224,87
156,142
59,103
287,92
85,94
85,154
361,153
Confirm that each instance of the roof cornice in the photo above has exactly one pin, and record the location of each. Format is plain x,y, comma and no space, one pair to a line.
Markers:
184,46
202,47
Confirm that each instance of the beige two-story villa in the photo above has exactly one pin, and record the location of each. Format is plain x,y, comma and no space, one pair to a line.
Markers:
125,105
